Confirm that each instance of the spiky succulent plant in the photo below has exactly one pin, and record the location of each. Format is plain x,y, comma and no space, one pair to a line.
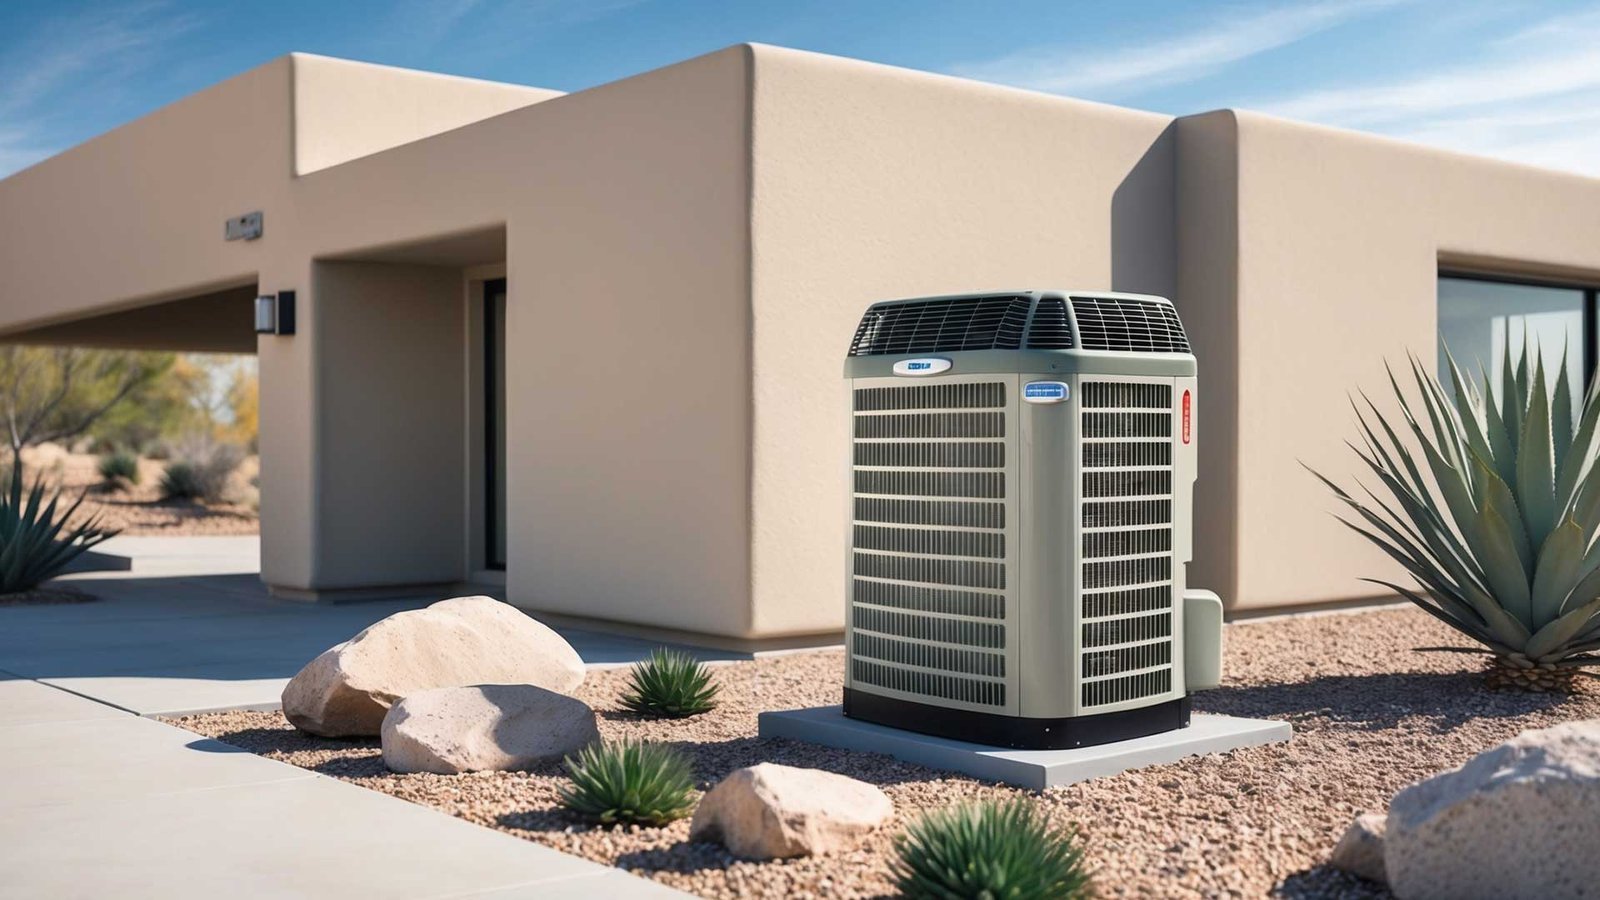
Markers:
38,540
994,850
670,684
1497,521
629,782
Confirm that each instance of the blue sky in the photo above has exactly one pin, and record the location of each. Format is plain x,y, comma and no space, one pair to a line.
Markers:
1517,80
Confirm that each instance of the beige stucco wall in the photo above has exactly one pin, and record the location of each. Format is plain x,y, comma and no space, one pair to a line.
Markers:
625,219
627,323
1340,239
136,215
872,183
1206,204
688,251
345,110
389,399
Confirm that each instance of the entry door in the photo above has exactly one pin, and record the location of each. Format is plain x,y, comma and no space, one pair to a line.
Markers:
494,420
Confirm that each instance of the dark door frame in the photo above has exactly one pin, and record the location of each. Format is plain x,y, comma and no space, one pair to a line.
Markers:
493,416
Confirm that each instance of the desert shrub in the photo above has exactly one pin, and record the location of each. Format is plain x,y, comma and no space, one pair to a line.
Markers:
1496,516
38,538
629,782
118,469
996,850
181,481
670,684
201,474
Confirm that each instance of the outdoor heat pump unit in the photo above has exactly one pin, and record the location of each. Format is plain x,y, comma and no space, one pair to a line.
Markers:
1020,519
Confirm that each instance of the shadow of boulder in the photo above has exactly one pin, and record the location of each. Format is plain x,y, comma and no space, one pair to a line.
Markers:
1324,883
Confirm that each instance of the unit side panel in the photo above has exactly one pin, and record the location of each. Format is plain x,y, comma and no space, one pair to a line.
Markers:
1048,643
1130,575
1185,472
931,574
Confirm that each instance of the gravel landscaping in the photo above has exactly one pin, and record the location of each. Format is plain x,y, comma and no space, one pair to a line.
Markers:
138,509
1370,716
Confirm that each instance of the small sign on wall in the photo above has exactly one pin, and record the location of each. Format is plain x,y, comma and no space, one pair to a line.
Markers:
243,228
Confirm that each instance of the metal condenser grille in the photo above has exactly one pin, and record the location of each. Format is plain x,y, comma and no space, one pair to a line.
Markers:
1126,574
928,602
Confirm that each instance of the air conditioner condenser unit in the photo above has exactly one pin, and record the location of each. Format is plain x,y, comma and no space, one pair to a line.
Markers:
1021,517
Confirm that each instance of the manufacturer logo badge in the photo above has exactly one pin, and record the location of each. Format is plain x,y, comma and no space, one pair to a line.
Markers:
930,366
1045,392
1187,416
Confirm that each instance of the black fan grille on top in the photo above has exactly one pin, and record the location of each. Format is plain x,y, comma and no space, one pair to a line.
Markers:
942,326
1121,323
1050,329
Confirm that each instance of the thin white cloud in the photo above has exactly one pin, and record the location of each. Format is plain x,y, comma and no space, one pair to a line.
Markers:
62,51
1539,74
1069,69
418,27
68,59
18,150
1531,97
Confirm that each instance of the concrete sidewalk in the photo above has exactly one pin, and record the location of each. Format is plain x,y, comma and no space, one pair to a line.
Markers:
97,801
101,803
191,628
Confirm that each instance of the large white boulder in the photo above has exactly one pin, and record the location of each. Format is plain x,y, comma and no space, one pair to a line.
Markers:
346,691
485,727
769,811
1519,820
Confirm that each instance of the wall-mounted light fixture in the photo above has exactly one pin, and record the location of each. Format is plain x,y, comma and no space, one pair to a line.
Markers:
275,313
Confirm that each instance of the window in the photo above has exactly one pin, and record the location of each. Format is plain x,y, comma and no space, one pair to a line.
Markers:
1479,314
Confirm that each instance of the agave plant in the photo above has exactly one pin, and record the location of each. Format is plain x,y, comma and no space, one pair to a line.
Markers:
629,782
991,850
36,541
1494,514
670,684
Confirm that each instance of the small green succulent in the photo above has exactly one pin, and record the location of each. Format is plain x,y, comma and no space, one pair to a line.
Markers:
670,684
629,782
992,850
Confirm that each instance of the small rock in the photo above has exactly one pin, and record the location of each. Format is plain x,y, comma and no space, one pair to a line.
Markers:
1360,851
1518,820
346,691
769,811
484,728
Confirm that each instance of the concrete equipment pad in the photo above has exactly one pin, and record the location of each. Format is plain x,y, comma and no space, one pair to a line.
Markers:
1035,769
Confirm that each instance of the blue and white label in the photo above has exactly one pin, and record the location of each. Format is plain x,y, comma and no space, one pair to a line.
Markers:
929,366
1045,392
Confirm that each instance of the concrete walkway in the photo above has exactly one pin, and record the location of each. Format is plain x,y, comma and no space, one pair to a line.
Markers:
191,628
97,801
